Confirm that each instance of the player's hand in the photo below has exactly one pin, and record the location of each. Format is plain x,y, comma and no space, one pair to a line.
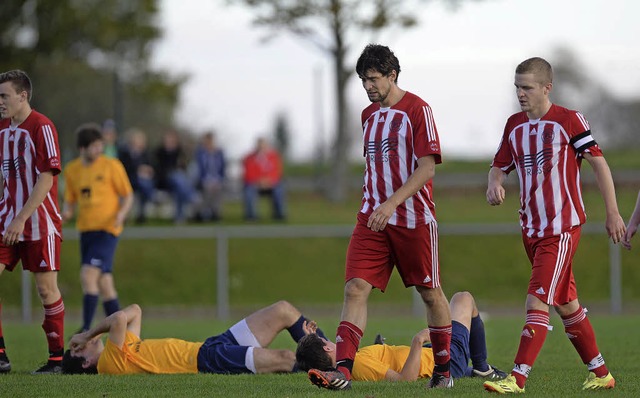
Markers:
495,194
422,336
67,215
631,231
309,327
380,216
615,228
78,342
12,233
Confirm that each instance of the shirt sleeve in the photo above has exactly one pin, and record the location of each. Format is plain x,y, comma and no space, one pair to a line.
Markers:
426,140
47,149
69,191
120,179
503,158
581,138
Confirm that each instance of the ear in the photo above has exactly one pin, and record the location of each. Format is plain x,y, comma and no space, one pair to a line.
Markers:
326,348
393,76
548,88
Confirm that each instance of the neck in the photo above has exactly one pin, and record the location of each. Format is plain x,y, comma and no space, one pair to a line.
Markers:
537,114
394,96
21,116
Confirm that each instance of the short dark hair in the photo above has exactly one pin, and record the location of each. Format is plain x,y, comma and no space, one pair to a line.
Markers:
378,58
539,67
72,365
19,79
87,134
310,354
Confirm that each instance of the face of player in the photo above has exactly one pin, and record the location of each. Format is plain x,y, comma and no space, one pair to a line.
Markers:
377,85
11,102
533,96
93,151
91,352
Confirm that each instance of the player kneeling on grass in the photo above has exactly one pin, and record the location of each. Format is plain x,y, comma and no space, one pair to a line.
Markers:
387,362
240,349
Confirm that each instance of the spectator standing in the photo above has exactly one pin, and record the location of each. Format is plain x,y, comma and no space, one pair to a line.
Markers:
171,173
137,163
99,187
211,169
30,221
263,177
110,137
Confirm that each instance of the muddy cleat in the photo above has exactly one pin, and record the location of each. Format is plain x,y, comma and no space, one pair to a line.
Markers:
51,367
507,385
491,374
5,365
440,381
598,383
329,379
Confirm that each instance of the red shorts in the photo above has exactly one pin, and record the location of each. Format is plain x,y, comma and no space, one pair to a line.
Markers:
414,252
36,256
551,272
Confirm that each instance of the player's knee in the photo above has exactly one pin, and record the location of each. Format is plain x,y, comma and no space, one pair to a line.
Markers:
356,288
462,297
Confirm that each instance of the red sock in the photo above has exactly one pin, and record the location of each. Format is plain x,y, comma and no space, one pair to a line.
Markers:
347,341
441,345
532,338
53,327
580,333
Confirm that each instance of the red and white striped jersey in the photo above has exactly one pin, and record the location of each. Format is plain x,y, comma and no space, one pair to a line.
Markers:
547,154
394,139
26,151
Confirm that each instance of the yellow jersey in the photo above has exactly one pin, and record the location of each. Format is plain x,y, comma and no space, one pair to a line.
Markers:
97,189
372,362
157,356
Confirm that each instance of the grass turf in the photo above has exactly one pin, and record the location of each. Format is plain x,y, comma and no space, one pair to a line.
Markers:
558,371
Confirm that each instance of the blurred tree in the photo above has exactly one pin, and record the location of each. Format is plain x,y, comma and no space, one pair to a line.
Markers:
89,61
282,135
331,25
615,121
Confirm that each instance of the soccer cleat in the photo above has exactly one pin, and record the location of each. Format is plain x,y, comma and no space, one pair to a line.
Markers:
507,385
440,381
598,383
49,368
491,374
379,339
330,379
5,365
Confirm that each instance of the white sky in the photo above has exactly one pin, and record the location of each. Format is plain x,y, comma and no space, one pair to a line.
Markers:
460,62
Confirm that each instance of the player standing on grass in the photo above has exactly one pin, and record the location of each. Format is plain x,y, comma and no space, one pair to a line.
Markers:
545,144
101,189
30,222
396,224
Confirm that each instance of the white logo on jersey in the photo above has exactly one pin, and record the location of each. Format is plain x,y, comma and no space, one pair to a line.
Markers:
533,131
540,291
427,279
381,120
338,339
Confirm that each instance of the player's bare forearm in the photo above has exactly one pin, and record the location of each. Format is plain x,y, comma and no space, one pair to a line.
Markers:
411,369
418,179
126,203
614,222
495,189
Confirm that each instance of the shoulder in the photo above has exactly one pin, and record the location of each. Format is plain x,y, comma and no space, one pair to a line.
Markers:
39,119
72,165
369,110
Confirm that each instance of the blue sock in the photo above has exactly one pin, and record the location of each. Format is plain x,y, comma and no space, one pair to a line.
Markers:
89,304
111,306
297,332
478,345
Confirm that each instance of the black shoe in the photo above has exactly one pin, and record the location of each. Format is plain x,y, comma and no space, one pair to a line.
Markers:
329,379
379,339
51,367
491,374
5,365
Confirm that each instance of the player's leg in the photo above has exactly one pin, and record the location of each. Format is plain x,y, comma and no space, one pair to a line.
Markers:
108,293
89,276
42,258
105,252
267,360
9,258
5,365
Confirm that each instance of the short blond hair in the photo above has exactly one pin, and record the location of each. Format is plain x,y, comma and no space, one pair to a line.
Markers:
539,67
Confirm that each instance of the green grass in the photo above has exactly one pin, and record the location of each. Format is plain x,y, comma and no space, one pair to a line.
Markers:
557,372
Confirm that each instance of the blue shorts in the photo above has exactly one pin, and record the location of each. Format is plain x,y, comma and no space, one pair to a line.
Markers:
97,249
225,354
459,350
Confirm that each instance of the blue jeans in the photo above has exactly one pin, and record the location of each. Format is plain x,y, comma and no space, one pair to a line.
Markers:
251,193
182,192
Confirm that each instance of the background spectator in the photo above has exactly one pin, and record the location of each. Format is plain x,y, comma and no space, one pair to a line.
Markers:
171,173
263,176
136,160
210,164
110,137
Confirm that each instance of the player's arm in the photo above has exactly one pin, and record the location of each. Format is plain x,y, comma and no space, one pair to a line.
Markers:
495,188
421,175
116,325
632,226
40,191
614,222
126,202
411,369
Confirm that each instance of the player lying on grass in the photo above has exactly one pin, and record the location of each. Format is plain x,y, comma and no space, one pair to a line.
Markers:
387,362
240,349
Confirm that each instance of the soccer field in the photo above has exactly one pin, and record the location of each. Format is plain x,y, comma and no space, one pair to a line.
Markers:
558,371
